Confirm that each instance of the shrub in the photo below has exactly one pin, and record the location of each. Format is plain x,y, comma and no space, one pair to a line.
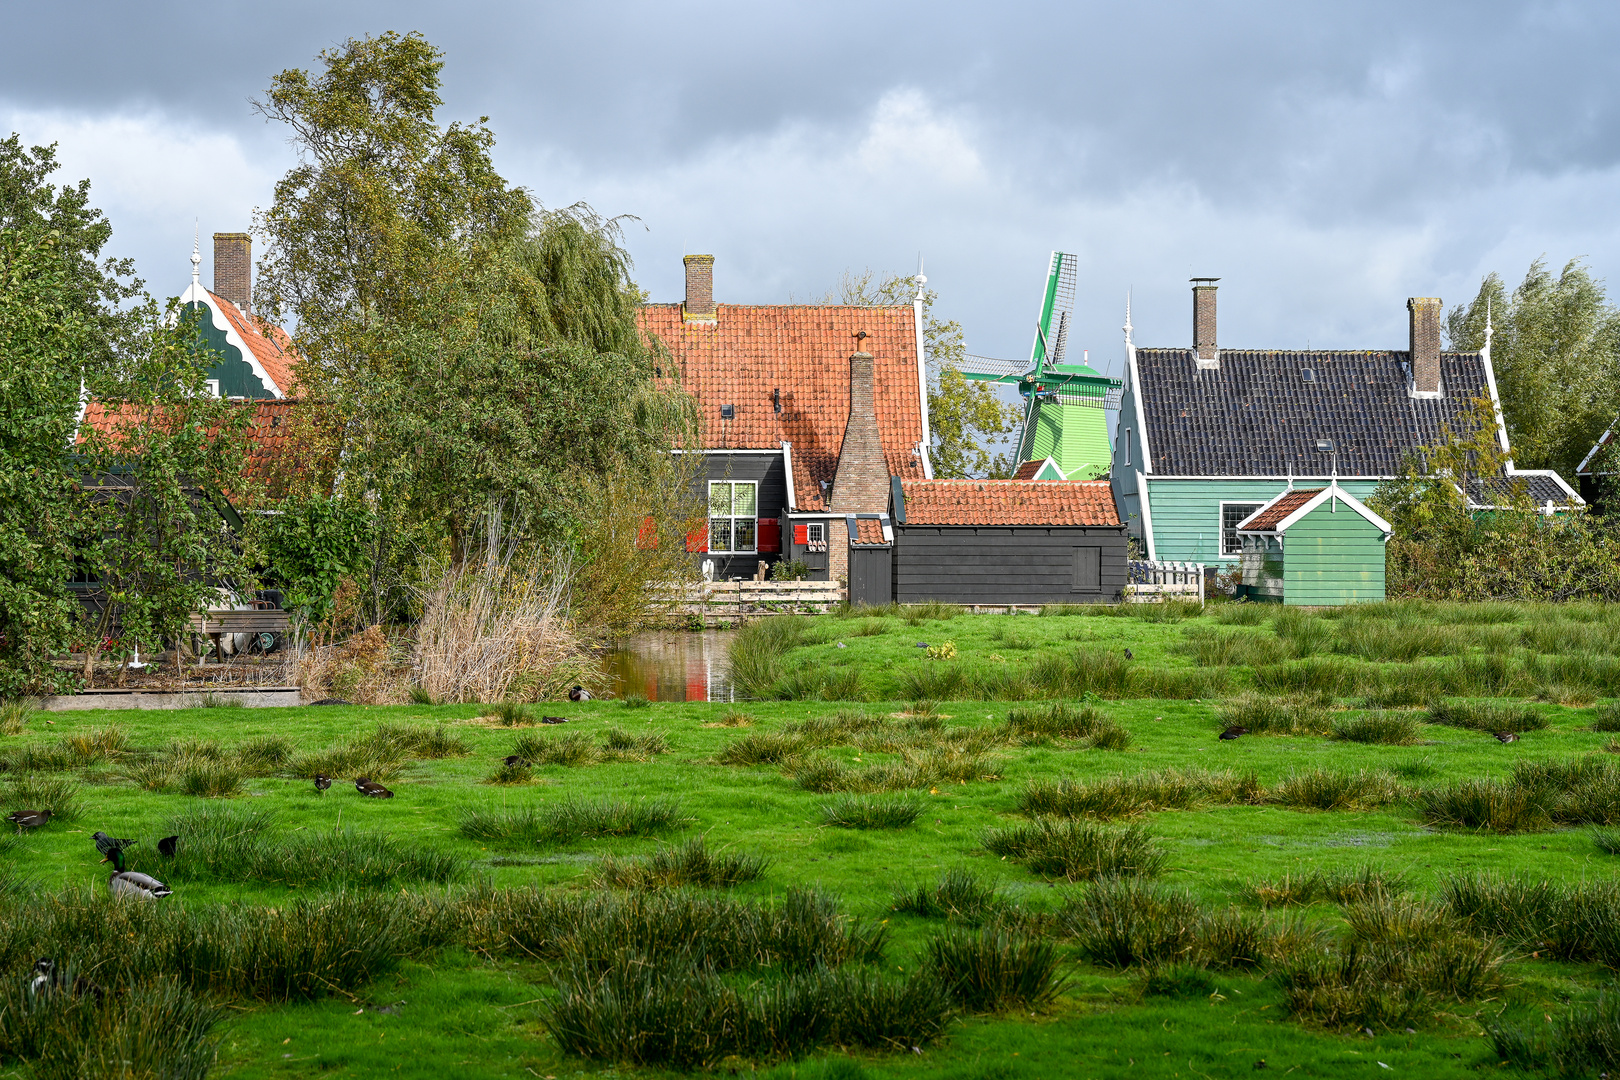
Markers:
990,969
871,812
1386,728
1121,923
691,863
1077,850
959,895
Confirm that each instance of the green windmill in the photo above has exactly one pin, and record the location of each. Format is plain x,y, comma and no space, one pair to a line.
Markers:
1064,417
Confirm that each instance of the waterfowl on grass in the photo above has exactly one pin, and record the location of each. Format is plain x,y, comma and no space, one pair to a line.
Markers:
554,719
512,761
109,844
367,786
322,781
133,883
167,845
47,979
28,819
1507,736
1233,732
579,693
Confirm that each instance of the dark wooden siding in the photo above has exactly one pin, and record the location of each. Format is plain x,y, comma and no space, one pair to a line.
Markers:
1008,565
771,475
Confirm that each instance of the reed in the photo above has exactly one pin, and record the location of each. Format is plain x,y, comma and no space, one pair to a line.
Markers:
992,969
1078,850
572,819
690,863
871,812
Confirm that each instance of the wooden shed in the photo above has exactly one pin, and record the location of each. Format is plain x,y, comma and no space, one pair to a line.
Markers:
1314,546
1007,542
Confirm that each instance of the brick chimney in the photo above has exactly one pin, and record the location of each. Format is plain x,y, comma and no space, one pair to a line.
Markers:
1425,313
233,269
1204,350
699,288
861,484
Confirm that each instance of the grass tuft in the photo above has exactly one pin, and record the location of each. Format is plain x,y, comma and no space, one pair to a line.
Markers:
1077,850
573,819
992,969
959,895
1487,715
691,863
871,812
1378,727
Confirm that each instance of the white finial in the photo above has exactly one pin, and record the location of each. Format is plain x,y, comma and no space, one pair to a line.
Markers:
196,256
1127,327
920,279
1488,330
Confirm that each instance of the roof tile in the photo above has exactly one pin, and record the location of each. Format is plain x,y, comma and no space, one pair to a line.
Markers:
1010,502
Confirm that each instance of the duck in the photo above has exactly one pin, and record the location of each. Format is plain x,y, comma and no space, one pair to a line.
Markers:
367,786
322,781
1129,655
513,761
28,819
579,693
133,883
47,979
554,719
1507,737
109,844
167,846
1233,732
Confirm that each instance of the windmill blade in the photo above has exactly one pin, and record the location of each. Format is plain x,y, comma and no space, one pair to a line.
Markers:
1057,306
1060,341
989,369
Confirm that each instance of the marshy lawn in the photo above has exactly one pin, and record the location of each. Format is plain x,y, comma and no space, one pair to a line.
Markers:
1248,822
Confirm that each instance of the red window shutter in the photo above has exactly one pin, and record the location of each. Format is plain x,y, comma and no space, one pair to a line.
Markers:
647,535
698,538
801,534
770,534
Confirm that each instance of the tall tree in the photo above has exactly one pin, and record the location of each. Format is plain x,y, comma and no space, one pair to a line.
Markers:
966,419
1555,350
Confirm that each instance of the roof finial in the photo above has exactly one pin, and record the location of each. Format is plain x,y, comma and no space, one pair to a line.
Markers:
920,279
196,256
1127,327
1488,330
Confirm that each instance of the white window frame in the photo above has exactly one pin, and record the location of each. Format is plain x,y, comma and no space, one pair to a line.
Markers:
732,518
1220,531
815,536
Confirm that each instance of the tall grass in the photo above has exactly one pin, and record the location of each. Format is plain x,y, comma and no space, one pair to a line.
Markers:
871,812
1122,796
690,863
1487,716
574,818
758,651
958,895
1121,923
57,794
15,714
1327,789
992,969
1077,850
1379,726
1267,715
153,1028
573,750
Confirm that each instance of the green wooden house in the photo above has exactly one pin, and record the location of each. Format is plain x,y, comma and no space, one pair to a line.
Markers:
1313,546
1208,436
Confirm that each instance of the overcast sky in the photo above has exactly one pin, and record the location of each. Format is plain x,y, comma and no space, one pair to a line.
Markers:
1325,161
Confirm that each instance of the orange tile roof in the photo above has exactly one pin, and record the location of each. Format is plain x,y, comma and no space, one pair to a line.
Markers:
1286,504
274,350
270,438
1028,469
1010,502
867,531
750,351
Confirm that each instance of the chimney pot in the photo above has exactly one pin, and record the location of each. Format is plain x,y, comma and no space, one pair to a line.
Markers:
1425,322
1204,350
233,269
699,288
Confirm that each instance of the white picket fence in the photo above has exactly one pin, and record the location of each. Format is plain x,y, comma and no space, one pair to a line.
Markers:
1155,582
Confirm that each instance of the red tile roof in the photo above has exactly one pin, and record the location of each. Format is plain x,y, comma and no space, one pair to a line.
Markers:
271,346
1010,502
270,438
867,531
1028,469
1286,504
750,351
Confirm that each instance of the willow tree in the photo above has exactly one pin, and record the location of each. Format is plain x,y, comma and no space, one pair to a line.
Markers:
462,347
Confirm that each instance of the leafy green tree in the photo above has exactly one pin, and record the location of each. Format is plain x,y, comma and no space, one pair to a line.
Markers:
462,348
966,419
59,327
308,545
1555,348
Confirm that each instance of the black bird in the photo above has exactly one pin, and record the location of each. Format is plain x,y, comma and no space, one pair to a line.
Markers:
579,693
512,761
1233,732
554,719
48,979
167,845
1506,737
922,644
1128,655
28,819
330,701
109,844
369,787
322,781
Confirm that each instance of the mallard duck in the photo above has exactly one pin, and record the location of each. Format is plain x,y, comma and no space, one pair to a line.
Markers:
1507,736
322,781
367,786
512,761
167,845
133,883
579,693
1233,732
109,844
28,819
554,719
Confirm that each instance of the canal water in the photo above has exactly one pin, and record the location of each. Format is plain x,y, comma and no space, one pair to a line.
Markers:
672,666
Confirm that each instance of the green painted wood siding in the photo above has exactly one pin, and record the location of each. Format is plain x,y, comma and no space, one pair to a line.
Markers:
235,375
1333,558
1187,513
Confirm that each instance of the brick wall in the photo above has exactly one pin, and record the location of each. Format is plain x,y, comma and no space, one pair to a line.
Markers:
699,287
1204,321
1425,313
233,269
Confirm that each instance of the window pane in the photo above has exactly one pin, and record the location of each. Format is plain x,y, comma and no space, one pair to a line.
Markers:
816,533
742,501
1232,515
720,499
745,538
719,534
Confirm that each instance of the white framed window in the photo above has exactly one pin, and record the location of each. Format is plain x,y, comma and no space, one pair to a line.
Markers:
213,388
1232,515
733,524
815,536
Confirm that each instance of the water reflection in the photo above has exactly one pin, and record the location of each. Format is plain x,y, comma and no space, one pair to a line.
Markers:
665,666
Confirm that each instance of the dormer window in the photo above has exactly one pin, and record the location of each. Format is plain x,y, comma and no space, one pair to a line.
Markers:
1308,374
1324,446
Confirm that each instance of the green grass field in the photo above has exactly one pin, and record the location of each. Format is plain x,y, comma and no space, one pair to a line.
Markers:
1123,894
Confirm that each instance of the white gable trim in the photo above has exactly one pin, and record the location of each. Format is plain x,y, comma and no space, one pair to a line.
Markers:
196,294
1332,491
787,461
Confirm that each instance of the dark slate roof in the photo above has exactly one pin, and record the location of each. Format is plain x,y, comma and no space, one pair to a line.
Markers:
1257,415
1540,485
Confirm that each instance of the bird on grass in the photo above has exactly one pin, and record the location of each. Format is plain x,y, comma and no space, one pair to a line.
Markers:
579,693
554,719
109,844
512,761
1507,736
1129,655
133,883
167,846
922,644
369,787
322,781
1233,732
28,819
48,979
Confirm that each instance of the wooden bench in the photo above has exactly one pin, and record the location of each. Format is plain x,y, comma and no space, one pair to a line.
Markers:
216,624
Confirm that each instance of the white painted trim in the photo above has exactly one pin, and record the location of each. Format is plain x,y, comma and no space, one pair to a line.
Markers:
1147,514
922,386
1332,491
787,461
1574,495
1496,403
1324,478
1603,440
196,294
721,450
1220,521
1136,397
